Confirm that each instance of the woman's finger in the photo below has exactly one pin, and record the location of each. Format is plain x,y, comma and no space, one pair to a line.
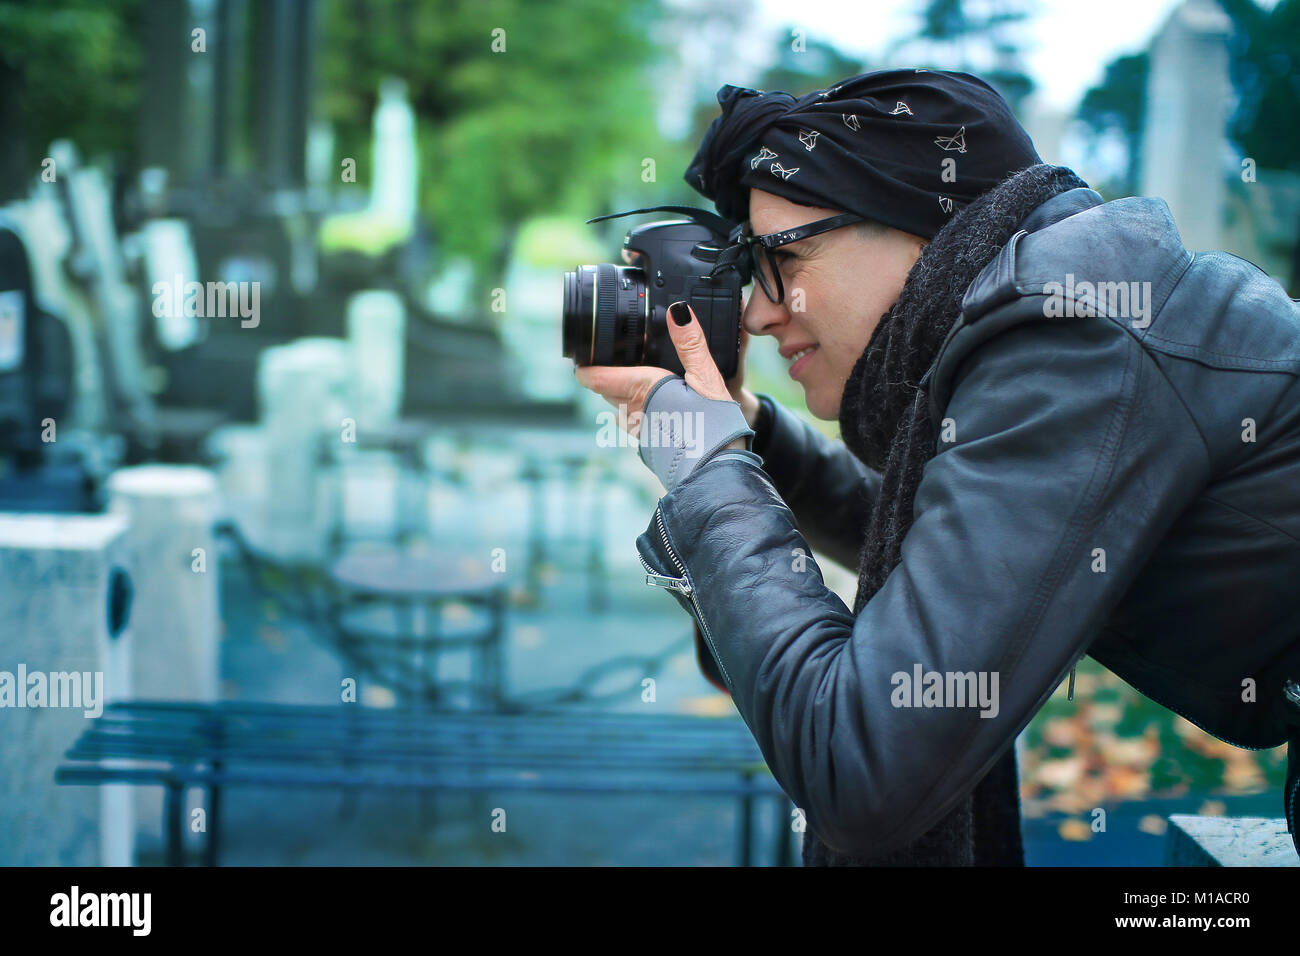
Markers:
693,349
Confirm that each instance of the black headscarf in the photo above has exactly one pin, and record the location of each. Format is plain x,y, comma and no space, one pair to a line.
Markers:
873,145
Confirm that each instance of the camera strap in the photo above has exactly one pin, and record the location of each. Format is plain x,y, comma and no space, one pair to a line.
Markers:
731,256
702,216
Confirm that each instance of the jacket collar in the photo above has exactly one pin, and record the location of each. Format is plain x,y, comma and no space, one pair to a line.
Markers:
1061,206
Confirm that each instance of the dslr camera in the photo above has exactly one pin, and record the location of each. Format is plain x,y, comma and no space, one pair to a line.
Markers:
618,314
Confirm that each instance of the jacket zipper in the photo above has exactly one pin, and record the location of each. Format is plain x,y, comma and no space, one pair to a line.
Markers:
682,585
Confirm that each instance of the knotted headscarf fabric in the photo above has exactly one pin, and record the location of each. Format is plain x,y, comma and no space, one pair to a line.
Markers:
875,145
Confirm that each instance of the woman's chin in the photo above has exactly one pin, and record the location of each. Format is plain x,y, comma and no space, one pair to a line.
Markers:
818,407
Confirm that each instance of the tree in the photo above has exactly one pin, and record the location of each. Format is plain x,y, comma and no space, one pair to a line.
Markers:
1118,105
68,68
1264,61
818,67
974,36
522,107
1262,50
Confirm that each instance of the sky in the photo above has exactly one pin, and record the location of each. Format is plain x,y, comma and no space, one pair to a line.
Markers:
1069,43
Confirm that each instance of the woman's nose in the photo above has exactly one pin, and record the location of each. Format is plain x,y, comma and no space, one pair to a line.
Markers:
761,316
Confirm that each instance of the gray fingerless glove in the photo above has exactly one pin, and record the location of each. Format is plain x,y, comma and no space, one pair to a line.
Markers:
680,429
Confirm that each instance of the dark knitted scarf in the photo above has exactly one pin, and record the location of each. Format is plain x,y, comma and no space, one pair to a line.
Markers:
885,422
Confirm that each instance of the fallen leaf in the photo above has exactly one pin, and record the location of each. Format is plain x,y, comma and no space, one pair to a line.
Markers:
1060,773
1154,824
710,705
1213,808
1104,715
1126,782
1243,775
1061,732
1074,830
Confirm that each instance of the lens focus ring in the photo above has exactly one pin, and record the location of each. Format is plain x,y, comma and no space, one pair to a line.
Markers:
606,292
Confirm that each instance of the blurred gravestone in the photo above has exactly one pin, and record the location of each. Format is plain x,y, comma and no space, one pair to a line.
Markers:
305,397
377,335
1185,138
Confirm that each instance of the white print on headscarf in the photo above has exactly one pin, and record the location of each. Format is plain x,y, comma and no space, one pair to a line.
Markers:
763,154
956,141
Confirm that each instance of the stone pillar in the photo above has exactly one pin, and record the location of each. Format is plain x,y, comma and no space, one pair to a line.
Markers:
58,574
377,334
174,624
304,394
175,621
1185,133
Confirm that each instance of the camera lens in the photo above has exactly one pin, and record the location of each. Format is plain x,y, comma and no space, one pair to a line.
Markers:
605,313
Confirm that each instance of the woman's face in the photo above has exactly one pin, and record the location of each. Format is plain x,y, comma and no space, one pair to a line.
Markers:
837,286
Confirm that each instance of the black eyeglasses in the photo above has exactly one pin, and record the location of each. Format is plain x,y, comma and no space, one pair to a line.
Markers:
762,264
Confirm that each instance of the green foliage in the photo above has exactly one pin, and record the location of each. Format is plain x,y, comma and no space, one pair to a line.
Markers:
953,30
559,120
68,68
1118,104
818,67
1264,56
1264,52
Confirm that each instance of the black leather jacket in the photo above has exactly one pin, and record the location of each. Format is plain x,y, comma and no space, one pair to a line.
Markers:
1119,487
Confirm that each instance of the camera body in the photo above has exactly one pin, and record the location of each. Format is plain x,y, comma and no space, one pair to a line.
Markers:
618,315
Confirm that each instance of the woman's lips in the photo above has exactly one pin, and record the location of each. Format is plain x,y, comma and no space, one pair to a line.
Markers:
801,362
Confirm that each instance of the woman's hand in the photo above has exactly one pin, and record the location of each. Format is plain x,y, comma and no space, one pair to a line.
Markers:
626,387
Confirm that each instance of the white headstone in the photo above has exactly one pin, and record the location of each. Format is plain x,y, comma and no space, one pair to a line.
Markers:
394,185
1185,133
377,333
305,396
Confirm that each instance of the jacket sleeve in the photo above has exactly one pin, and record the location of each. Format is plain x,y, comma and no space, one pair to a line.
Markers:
1072,457
829,490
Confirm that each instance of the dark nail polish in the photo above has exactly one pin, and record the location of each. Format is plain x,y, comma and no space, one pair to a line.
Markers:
680,313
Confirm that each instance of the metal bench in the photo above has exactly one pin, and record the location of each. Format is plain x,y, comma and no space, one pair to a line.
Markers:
214,746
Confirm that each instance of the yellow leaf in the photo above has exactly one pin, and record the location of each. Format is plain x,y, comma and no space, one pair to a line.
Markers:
1060,773
1075,830
1213,808
1154,824
1061,732
710,705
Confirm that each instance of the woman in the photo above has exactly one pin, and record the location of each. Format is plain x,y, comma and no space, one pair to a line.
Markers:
1063,433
